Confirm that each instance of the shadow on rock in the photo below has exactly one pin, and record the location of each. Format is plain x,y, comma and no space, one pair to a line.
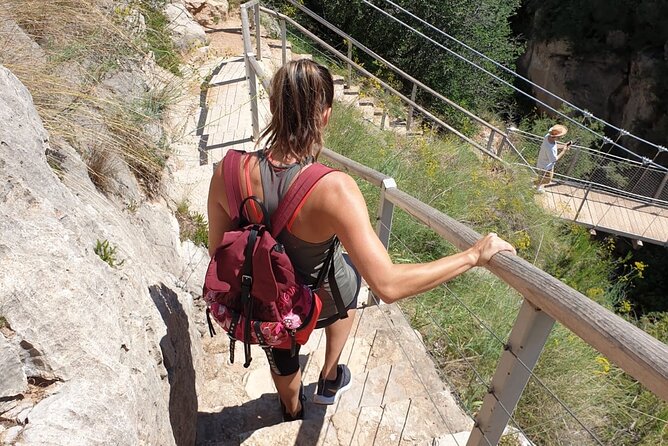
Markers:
178,361
235,424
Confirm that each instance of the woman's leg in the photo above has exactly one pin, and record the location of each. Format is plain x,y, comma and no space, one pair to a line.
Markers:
336,335
288,390
286,374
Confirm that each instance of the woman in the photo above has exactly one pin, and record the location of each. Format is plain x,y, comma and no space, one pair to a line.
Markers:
301,106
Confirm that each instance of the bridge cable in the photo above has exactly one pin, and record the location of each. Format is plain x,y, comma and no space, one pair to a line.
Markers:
502,343
514,73
665,169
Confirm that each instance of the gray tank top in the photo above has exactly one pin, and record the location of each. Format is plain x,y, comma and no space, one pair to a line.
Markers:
307,258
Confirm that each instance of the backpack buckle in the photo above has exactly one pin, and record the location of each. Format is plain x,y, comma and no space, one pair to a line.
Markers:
246,280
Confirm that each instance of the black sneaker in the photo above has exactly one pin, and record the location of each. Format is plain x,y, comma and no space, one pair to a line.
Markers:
300,414
329,392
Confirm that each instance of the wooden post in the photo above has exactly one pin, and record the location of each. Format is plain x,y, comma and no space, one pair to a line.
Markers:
284,41
525,343
350,67
490,141
257,32
385,213
252,85
409,120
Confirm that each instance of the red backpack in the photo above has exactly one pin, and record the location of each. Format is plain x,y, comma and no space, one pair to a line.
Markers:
250,286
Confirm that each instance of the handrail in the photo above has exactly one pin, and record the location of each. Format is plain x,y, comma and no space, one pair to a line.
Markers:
546,299
393,67
636,352
388,87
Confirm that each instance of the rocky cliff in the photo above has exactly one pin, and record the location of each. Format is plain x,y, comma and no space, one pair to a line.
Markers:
612,63
619,90
89,353
98,343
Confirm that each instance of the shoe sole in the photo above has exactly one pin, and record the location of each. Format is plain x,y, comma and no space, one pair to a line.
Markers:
328,401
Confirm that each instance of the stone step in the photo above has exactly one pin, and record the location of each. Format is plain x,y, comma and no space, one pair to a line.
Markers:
366,101
367,110
302,56
410,421
338,79
351,90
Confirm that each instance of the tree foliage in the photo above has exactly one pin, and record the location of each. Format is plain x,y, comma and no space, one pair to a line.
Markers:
481,24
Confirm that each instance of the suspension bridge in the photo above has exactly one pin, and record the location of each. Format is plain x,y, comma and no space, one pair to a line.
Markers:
399,396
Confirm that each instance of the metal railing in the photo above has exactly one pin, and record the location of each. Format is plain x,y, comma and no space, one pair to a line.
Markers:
546,299
613,175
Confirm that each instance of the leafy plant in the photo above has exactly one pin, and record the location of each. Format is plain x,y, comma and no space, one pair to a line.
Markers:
107,253
192,225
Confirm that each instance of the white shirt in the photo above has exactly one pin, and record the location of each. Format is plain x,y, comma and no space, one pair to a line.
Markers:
547,157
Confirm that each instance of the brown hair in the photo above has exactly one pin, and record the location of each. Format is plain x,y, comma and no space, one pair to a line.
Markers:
301,92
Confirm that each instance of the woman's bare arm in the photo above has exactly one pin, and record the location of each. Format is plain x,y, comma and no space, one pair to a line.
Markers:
219,219
343,206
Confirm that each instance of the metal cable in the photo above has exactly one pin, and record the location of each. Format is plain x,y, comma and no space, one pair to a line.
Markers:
504,81
417,374
504,344
585,113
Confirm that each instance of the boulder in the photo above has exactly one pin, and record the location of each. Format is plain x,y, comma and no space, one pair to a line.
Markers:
186,33
208,12
107,354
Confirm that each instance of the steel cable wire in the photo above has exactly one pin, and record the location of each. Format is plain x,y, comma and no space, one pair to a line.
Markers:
503,344
585,113
504,82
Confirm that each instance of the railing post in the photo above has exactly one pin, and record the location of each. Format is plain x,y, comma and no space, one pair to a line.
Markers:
252,85
258,43
284,40
409,120
659,189
382,119
490,141
350,67
504,140
525,343
385,213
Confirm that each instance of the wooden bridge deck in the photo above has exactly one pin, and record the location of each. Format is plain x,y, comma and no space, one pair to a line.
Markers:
608,213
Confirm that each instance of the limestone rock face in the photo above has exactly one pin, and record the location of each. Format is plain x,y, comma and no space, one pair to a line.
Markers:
208,12
89,353
186,33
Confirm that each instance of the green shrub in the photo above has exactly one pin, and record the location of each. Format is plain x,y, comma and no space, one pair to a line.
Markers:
107,253
158,39
192,225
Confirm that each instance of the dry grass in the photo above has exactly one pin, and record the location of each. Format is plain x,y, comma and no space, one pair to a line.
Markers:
81,44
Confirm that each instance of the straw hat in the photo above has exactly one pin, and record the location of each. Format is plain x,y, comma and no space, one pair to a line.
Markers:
558,130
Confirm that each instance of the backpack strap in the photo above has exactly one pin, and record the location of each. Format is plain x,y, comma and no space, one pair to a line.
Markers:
327,269
297,192
232,183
